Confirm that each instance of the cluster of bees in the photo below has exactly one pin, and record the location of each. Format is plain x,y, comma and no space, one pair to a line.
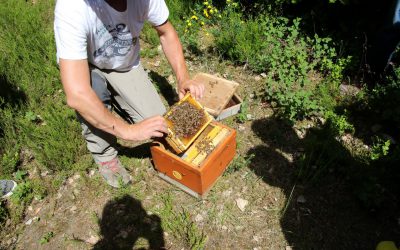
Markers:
187,119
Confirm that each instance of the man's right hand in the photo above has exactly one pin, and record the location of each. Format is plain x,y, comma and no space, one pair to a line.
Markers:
148,128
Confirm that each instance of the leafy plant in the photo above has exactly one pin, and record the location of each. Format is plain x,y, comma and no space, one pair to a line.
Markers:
46,237
239,162
23,193
9,161
379,148
181,224
339,123
242,116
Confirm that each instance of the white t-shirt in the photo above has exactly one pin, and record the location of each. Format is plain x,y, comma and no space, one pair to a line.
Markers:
108,39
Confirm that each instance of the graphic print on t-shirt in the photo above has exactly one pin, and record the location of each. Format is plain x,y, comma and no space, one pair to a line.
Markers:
119,44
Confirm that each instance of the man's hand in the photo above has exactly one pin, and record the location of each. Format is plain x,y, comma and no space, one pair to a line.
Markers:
195,88
148,128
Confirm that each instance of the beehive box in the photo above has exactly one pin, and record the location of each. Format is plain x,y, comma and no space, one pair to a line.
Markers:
177,142
220,98
195,171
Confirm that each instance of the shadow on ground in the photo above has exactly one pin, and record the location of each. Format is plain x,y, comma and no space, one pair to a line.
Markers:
10,95
163,87
321,181
124,222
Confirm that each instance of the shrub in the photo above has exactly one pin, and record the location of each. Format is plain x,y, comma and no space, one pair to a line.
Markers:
302,73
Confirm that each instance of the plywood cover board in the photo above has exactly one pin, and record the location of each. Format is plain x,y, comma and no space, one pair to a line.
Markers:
218,92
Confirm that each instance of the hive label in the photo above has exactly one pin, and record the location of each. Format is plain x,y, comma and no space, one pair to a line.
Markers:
177,175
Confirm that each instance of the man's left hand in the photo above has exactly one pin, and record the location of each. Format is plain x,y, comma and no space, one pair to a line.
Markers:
195,88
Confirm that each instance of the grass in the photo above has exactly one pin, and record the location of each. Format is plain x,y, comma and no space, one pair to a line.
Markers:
179,223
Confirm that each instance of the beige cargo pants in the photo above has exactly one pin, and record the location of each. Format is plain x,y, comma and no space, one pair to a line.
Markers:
134,96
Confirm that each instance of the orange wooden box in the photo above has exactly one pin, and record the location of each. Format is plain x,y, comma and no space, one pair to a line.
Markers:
195,180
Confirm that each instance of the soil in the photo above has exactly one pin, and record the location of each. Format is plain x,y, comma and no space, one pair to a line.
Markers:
186,119
281,213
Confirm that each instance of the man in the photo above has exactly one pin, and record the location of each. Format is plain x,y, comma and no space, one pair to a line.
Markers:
98,53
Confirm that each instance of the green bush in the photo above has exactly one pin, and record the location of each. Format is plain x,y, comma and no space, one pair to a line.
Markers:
302,73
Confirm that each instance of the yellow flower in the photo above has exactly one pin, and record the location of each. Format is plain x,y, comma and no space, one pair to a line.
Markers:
194,17
205,3
202,23
205,13
211,11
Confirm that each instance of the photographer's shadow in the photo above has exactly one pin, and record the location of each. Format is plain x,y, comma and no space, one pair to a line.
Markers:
124,221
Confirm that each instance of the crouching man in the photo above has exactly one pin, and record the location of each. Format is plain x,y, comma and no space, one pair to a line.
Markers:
98,54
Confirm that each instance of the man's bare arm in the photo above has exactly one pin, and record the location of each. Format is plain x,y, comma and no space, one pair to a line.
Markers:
80,96
174,53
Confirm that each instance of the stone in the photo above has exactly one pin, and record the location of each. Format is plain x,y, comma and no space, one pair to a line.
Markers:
29,222
242,203
199,218
348,90
93,239
157,64
45,173
171,79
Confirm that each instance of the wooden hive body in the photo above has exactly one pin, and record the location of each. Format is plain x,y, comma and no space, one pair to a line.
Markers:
196,180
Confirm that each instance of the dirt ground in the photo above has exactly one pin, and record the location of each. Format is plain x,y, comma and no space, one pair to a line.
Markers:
260,206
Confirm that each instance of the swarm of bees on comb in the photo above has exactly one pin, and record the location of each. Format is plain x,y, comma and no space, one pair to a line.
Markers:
186,119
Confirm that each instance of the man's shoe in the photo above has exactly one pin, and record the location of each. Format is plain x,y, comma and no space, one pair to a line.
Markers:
6,188
113,172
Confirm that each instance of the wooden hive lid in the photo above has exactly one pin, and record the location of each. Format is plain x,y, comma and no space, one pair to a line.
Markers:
218,92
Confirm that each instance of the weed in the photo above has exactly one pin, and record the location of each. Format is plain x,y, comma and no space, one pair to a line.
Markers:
242,116
46,237
149,35
238,163
3,212
379,148
149,53
20,175
181,224
23,193
9,161
339,124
